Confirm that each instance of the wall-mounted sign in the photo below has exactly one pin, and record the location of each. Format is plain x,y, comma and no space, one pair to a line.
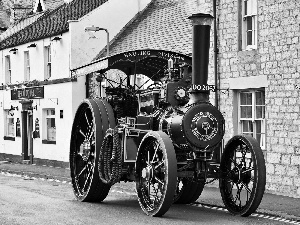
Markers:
18,128
27,93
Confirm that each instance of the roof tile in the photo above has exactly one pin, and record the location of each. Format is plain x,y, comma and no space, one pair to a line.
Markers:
162,25
53,22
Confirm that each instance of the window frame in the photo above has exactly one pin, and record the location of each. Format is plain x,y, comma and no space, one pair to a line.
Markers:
26,66
9,115
248,13
46,136
7,69
254,119
48,62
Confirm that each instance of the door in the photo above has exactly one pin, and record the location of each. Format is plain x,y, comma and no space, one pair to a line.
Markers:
29,135
27,139
25,154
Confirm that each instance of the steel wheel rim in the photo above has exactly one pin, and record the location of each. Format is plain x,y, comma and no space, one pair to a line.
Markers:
156,173
84,151
152,174
240,177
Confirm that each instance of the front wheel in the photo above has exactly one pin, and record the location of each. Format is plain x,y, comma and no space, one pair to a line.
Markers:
243,175
156,173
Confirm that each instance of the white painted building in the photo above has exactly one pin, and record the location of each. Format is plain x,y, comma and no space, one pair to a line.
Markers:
38,95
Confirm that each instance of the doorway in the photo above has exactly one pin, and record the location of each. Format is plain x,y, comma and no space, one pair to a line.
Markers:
27,128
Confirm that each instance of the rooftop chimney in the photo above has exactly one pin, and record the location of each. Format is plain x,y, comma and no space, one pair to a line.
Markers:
39,7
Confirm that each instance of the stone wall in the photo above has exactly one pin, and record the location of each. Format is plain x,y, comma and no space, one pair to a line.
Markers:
277,57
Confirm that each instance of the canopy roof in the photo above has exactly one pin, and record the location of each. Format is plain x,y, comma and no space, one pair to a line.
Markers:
152,63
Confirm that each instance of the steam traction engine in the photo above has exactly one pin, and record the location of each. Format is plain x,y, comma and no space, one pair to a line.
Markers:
167,139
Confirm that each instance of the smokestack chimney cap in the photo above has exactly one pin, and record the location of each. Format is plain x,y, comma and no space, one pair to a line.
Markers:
201,19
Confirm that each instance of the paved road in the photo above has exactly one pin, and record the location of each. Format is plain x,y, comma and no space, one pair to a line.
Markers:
27,201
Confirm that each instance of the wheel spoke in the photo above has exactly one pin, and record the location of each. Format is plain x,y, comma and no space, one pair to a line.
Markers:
248,170
246,187
159,181
148,158
238,195
87,121
88,177
155,152
159,165
81,132
83,169
91,135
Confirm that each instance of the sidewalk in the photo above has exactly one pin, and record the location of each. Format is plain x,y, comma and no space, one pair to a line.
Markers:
273,205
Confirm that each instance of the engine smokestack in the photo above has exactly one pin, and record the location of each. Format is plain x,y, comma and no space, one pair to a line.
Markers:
201,43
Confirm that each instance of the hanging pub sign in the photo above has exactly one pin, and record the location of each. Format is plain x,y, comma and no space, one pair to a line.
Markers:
36,132
18,128
27,93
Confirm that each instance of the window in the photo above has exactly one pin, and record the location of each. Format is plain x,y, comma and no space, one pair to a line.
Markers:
10,124
252,114
249,24
48,62
26,66
7,69
50,132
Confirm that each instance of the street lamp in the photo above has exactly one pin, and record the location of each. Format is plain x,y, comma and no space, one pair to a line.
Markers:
94,29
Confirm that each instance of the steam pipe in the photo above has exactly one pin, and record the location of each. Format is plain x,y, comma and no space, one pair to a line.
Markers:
216,54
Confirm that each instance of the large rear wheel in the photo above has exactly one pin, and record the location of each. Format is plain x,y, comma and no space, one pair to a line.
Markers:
243,175
91,121
156,173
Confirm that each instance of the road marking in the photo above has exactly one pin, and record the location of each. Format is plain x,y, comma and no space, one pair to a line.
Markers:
260,215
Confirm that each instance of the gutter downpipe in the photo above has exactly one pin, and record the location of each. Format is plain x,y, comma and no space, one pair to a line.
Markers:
216,54
87,84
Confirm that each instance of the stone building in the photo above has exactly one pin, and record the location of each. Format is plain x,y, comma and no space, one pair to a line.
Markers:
259,63
255,60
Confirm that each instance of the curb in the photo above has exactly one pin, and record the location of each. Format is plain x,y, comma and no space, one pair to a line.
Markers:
270,215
